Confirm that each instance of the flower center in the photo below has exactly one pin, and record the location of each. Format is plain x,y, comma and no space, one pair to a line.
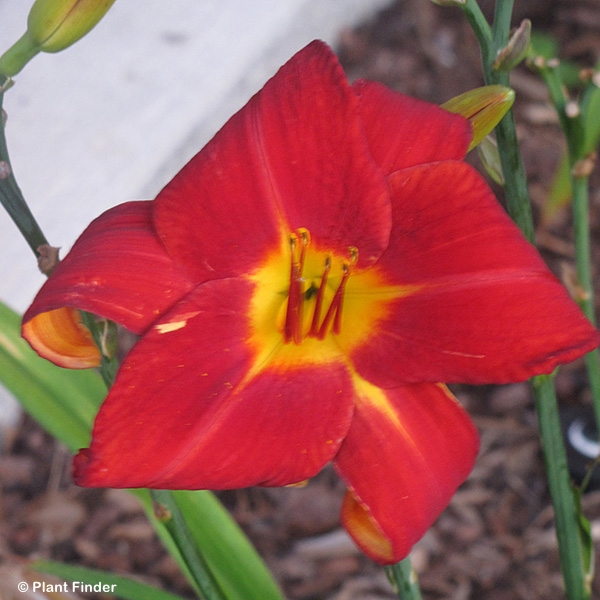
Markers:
303,291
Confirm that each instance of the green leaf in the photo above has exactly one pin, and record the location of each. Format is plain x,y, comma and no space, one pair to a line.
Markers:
63,401
234,562
119,586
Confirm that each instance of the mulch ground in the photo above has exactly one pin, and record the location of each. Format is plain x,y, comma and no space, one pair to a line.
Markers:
496,540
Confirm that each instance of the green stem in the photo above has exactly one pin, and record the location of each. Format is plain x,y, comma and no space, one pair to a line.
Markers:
12,199
519,208
581,207
169,513
567,524
481,29
518,203
575,136
574,132
501,26
491,40
18,55
580,189
404,580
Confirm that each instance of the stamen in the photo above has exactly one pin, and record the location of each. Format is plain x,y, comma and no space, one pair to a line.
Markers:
294,299
335,307
304,236
337,321
294,313
294,318
334,312
314,327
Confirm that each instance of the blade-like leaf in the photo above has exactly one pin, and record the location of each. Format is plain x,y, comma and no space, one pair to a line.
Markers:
119,586
233,560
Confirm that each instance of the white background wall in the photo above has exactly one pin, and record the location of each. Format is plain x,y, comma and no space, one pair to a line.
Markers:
115,116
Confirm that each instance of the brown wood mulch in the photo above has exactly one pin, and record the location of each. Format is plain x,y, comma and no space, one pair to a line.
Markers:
496,540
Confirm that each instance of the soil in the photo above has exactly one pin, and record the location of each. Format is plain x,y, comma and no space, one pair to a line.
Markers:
496,540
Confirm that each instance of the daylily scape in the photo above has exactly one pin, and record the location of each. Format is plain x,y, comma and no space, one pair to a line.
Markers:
302,288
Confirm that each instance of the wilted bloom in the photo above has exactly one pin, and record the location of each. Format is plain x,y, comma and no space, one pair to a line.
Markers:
301,288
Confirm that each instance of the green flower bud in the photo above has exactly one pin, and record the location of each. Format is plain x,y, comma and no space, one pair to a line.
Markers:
56,24
52,25
484,107
490,159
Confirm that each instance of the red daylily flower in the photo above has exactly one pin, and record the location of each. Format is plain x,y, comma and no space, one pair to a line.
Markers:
301,288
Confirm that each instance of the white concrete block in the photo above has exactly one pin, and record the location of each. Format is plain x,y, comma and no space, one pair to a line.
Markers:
115,116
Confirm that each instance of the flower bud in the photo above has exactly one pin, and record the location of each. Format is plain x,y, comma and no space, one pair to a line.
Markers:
52,25
490,159
484,107
516,49
56,24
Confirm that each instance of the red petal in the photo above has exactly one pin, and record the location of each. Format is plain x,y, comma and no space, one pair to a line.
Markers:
487,309
294,156
192,408
407,451
117,269
403,132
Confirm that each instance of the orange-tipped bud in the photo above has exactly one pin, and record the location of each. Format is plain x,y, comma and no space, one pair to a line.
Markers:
484,107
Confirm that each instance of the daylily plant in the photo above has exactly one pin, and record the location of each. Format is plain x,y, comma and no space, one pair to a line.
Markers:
301,288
